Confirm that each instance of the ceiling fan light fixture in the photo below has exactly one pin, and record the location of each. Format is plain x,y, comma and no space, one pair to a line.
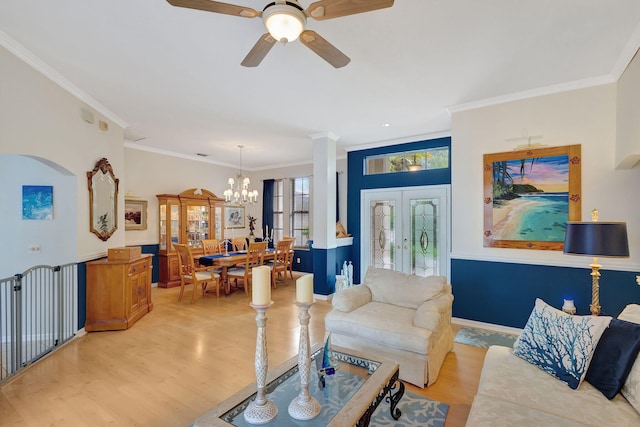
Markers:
284,22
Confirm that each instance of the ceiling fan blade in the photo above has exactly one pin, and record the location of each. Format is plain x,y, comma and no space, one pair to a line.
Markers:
327,9
259,51
324,49
217,7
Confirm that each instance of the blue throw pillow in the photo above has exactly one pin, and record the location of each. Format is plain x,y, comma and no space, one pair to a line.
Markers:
560,344
614,357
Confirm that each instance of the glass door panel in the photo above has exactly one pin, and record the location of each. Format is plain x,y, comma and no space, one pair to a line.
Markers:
406,229
163,227
197,225
218,218
175,224
382,252
424,237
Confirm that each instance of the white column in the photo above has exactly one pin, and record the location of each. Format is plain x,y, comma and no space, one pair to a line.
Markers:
324,190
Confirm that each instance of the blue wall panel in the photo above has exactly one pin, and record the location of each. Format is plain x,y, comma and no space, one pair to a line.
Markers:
358,181
324,275
504,293
306,260
155,261
82,294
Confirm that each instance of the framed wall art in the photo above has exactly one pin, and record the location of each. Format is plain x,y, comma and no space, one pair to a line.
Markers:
37,202
234,216
529,195
135,214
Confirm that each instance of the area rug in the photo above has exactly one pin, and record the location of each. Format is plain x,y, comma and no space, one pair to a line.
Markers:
484,338
416,411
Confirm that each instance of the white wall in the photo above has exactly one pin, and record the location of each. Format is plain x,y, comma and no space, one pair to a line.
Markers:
586,117
56,237
151,173
39,118
148,174
628,125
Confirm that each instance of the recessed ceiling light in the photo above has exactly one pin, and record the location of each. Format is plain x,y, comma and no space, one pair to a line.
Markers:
386,125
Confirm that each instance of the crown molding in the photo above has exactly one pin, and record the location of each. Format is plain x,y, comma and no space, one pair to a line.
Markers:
627,54
400,140
30,59
533,93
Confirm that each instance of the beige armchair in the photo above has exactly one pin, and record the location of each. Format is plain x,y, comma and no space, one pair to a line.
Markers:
398,316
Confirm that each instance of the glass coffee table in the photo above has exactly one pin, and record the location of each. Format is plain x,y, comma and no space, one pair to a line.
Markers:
348,398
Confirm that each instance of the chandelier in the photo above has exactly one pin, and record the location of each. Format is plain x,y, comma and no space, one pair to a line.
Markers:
238,191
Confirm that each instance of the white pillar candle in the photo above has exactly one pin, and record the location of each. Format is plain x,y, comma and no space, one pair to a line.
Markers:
261,285
304,288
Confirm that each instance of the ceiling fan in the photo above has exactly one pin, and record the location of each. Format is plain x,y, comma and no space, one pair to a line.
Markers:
285,22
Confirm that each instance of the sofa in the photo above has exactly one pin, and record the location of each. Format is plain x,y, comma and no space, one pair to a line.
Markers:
398,316
514,391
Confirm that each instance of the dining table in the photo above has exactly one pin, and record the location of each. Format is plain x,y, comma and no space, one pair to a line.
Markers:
229,259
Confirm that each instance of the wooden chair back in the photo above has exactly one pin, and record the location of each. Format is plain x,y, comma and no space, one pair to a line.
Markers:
255,254
190,275
254,258
239,244
211,247
281,261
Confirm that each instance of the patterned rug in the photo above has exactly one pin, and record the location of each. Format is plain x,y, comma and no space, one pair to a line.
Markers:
484,338
417,411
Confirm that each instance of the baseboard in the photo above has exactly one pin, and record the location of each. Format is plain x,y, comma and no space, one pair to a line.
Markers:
488,326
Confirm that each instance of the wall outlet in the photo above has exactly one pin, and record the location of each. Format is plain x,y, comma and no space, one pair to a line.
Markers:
638,280
33,249
298,260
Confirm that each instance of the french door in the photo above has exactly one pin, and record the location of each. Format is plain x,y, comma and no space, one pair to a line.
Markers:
406,229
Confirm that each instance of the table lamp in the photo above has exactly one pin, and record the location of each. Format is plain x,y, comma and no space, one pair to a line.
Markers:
598,239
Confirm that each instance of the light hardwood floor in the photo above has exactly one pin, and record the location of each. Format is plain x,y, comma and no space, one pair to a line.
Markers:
182,359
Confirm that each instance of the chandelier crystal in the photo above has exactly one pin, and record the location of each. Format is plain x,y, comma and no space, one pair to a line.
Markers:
238,191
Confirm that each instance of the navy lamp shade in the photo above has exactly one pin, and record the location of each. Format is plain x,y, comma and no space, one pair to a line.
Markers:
604,239
596,239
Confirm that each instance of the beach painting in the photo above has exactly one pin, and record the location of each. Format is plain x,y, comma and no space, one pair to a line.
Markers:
37,202
530,195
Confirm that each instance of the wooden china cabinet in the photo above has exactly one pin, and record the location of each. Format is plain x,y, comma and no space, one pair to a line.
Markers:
186,218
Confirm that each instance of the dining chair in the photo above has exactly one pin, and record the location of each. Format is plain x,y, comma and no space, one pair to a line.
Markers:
239,244
211,247
190,275
254,258
280,261
291,254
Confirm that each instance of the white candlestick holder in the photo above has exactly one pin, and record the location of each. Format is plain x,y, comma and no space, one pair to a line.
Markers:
261,410
304,406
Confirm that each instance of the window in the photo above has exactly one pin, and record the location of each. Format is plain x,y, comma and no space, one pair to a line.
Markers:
300,199
278,210
433,158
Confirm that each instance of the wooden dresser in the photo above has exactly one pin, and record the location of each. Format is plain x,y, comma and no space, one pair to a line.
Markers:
118,292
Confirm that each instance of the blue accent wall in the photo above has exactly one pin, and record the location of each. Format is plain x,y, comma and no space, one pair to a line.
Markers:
155,261
82,294
504,293
358,181
306,260
324,275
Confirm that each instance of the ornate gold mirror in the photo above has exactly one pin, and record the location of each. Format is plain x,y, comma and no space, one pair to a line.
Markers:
103,200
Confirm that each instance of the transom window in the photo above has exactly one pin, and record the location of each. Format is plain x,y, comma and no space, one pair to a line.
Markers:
409,161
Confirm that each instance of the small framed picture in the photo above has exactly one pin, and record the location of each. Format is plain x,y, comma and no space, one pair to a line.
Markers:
135,214
234,216
37,202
